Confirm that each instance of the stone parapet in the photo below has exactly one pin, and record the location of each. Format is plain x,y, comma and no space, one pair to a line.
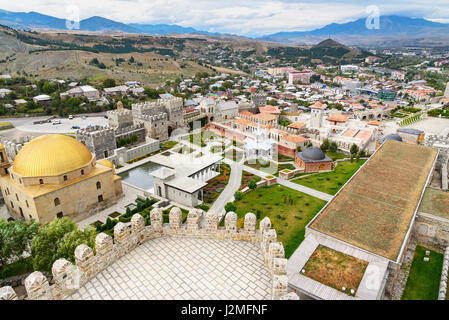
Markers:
69,277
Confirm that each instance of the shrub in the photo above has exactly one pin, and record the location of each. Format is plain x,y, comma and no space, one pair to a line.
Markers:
238,195
252,184
230,206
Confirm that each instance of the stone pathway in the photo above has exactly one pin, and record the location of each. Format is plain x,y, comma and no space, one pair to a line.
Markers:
184,268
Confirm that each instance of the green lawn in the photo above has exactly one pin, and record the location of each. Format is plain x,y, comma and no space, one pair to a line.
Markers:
337,155
331,182
288,210
424,278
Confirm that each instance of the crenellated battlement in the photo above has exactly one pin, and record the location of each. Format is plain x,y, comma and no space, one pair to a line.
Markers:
69,277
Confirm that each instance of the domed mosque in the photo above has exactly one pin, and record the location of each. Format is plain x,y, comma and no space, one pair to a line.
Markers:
313,159
55,175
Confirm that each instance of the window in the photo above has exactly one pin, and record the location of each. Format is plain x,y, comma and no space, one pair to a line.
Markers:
2,159
65,178
17,197
59,215
82,172
41,181
26,201
98,185
12,205
57,202
100,198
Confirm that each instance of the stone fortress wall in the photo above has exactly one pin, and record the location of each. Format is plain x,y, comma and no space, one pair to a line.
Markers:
69,278
98,139
440,142
13,146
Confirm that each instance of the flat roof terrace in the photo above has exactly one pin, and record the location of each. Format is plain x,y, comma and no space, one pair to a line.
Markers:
373,211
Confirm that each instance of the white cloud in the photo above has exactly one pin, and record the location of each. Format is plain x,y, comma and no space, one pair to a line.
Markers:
253,17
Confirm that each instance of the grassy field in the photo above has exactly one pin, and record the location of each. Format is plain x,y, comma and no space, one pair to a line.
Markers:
424,279
288,210
335,269
435,202
336,155
331,182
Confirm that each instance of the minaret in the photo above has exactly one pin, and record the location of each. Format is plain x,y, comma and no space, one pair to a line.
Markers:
317,113
4,162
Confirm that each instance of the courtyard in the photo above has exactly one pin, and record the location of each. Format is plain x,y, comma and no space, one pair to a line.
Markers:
424,278
183,268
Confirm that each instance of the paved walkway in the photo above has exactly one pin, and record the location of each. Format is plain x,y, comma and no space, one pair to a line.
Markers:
227,195
183,268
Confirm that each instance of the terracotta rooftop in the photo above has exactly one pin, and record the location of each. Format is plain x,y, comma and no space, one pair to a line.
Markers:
338,118
296,125
374,123
318,105
265,116
269,109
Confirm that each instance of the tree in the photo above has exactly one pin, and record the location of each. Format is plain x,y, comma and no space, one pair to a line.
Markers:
67,245
44,247
230,206
333,147
252,184
15,238
354,149
238,195
108,83
325,145
298,149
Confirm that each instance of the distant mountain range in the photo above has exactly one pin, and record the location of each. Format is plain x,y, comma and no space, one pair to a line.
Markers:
356,32
35,20
393,29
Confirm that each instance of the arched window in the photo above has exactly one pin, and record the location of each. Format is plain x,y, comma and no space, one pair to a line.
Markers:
98,185
41,181
82,172
57,202
65,178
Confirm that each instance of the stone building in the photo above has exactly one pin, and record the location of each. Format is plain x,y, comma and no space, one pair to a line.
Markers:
313,159
99,140
259,99
55,175
260,146
120,118
317,114
171,106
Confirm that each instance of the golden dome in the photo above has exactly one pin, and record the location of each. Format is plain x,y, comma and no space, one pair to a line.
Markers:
51,155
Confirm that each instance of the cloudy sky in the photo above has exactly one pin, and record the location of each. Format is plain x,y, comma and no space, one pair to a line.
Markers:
249,17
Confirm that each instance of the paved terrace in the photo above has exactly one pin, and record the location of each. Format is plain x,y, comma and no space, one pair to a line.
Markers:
183,268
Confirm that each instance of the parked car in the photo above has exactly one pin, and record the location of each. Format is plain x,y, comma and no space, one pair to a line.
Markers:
70,117
56,122
76,127
84,117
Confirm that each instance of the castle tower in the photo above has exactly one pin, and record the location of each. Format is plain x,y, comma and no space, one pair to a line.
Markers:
446,92
317,114
4,162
